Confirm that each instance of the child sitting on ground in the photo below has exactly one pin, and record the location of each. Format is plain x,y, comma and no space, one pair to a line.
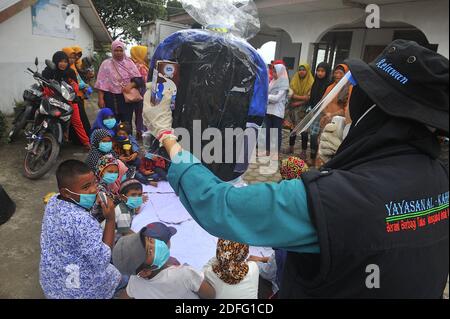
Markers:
153,167
145,257
129,206
126,146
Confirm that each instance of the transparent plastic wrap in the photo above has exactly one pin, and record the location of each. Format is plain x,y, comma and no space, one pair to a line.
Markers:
309,119
239,17
223,84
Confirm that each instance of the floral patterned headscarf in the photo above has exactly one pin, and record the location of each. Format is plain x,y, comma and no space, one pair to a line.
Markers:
231,266
293,168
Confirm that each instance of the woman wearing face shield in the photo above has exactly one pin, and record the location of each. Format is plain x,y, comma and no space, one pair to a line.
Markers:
374,222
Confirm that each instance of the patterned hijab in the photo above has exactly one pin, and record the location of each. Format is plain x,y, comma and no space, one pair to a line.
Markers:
293,168
103,163
231,266
303,86
95,154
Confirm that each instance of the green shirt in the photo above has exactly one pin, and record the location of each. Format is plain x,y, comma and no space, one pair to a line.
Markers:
263,215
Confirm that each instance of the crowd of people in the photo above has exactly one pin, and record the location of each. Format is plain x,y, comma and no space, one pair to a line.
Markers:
290,101
88,249
118,167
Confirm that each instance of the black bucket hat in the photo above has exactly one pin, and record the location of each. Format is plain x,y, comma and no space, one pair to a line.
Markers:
407,81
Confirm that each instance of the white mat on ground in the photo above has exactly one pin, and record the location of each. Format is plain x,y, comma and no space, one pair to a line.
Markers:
191,245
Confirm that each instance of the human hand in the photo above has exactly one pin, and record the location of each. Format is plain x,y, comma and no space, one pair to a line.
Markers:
331,138
158,118
108,209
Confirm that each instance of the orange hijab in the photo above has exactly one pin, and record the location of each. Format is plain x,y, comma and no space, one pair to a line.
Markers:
70,51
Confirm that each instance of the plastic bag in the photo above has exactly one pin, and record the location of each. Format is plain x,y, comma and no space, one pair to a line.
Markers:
223,81
223,84
239,17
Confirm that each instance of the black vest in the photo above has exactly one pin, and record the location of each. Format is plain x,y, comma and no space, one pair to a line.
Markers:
382,223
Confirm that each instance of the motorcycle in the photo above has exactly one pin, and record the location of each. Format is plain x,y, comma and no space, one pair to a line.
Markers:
32,100
50,120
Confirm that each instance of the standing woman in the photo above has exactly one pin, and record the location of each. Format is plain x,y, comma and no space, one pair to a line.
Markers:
321,83
139,55
118,75
63,72
338,105
278,92
301,84
72,55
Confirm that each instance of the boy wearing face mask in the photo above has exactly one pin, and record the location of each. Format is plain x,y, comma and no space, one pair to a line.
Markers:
130,205
83,271
146,257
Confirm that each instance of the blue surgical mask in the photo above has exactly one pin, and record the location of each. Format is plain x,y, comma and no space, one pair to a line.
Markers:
162,254
105,147
149,156
110,123
134,202
86,200
110,178
124,178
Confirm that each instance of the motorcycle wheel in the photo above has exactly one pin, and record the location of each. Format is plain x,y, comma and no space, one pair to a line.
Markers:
19,124
37,165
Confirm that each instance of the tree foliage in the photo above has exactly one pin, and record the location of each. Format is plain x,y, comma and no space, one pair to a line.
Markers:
123,18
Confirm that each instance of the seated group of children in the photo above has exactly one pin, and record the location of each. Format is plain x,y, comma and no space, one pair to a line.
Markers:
141,267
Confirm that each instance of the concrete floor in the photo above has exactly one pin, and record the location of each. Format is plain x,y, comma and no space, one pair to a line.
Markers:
19,237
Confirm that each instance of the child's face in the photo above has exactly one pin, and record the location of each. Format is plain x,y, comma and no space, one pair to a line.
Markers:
122,135
110,169
321,73
84,184
134,193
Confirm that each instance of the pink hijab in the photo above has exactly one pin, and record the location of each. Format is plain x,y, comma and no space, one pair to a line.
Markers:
114,74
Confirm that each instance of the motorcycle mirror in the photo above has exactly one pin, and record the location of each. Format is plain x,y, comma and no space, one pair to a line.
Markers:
36,61
50,64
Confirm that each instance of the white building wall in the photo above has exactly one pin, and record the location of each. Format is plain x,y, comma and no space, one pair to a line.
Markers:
431,17
19,49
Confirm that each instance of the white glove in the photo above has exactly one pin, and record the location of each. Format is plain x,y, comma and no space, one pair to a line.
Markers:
158,118
331,138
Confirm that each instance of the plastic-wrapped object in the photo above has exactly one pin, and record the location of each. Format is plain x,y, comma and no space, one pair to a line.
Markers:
239,17
224,84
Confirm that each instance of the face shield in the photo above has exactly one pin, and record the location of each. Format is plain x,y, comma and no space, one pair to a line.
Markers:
309,119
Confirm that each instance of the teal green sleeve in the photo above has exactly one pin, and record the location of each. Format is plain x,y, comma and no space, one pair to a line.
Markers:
264,215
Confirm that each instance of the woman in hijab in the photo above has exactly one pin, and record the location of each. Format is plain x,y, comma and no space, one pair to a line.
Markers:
63,72
101,145
117,75
230,274
79,54
301,85
339,104
72,55
278,92
105,120
139,55
321,83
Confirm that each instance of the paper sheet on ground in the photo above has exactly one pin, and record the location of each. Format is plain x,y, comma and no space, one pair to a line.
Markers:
192,244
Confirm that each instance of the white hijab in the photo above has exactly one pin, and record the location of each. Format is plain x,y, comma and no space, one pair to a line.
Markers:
282,82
